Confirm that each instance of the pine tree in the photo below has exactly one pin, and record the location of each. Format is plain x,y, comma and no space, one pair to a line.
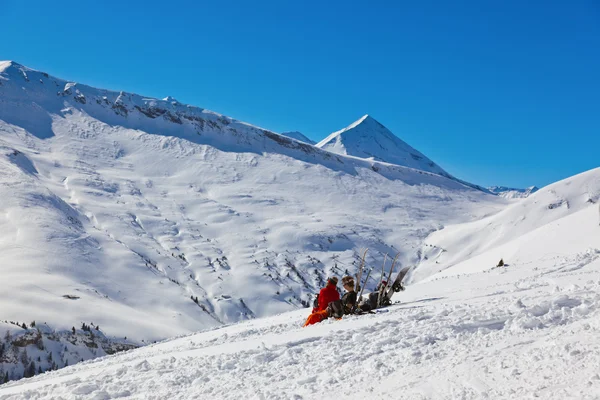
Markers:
30,370
24,358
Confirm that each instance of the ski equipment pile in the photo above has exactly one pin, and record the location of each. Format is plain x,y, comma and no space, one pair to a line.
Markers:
382,289
360,270
363,286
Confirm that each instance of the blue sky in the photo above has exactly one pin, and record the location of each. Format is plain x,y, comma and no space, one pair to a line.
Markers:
496,92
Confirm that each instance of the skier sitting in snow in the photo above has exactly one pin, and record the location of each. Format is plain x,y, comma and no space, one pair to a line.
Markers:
327,295
349,298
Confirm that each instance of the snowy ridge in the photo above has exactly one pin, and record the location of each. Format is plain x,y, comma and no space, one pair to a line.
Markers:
367,138
512,193
163,219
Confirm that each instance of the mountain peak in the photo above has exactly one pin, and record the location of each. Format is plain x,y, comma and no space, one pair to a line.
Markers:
360,121
368,138
5,65
364,121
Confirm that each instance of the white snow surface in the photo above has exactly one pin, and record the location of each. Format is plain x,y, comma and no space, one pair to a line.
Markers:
161,219
507,235
298,136
528,330
367,138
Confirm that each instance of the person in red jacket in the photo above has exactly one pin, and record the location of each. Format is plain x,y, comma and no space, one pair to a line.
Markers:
328,294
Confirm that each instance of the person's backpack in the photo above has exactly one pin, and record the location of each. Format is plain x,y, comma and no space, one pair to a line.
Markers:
335,309
316,302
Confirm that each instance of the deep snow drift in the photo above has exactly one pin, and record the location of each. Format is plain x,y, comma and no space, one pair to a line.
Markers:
152,218
527,330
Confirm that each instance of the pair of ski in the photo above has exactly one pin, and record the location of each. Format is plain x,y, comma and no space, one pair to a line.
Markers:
385,291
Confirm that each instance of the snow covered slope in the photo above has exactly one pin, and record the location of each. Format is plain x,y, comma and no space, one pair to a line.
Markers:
507,233
367,138
529,330
512,193
152,218
298,136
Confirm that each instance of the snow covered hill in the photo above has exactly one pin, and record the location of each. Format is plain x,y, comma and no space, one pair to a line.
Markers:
152,218
298,136
527,330
506,234
367,138
512,193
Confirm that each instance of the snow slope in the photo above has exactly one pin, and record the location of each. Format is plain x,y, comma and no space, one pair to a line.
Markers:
529,330
512,193
298,136
159,219
506,234
367,138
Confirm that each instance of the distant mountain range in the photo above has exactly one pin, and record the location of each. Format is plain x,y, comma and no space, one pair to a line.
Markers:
512,193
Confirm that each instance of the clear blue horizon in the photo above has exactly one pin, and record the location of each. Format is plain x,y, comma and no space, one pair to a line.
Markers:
497,93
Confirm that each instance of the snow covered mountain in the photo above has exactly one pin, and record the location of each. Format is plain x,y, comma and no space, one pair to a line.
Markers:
152,218
530,329
512,193
367,138
298,136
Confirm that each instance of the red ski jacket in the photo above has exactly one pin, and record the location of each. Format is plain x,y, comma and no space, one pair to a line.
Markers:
328,294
